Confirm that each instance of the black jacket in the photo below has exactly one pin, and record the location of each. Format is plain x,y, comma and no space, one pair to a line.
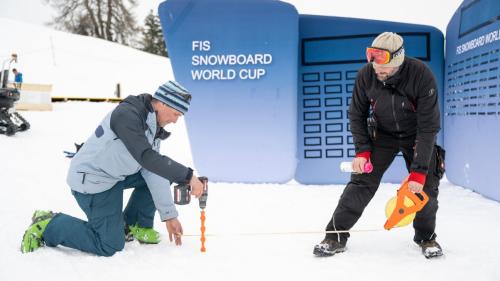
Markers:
405,105
129,122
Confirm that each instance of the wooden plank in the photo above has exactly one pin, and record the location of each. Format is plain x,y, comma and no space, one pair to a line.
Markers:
89,99
32,106
34,87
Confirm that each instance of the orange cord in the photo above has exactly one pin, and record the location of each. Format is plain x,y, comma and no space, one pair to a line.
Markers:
401,211
202,228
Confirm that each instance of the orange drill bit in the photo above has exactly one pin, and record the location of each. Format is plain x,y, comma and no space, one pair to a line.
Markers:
202,228
203,205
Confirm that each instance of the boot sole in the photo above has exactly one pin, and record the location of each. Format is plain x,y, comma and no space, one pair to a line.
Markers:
148,243
321,253
32,240
132,238
433,255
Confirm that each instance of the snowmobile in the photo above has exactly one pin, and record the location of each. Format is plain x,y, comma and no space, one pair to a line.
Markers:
11,121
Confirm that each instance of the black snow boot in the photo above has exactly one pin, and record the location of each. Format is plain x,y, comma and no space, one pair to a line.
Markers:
329,247
430,248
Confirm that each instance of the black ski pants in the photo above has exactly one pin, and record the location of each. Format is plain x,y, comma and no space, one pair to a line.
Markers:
362,187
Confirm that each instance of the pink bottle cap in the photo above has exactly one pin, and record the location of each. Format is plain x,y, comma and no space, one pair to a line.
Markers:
368,167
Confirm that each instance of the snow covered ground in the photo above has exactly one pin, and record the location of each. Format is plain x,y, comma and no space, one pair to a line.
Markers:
33,171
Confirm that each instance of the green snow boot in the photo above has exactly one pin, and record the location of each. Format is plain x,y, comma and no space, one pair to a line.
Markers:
144,235
32,238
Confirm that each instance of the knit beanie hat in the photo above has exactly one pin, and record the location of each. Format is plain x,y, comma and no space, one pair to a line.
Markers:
391,42
174,95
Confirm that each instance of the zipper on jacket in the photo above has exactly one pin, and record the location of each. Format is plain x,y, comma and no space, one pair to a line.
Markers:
394,113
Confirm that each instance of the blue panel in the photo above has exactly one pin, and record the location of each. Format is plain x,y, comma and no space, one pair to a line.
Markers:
349,88
310,77
334,153
312,115
333,114
312,128
474,15
332,140
312,153
472,97
351,48
333,128
333,89
311,141
350,140
311,90
311,103
350,75
335,48
333,102
236,58
333,76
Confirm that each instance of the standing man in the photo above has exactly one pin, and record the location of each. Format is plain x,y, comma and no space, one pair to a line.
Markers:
18,78
394,109
123,152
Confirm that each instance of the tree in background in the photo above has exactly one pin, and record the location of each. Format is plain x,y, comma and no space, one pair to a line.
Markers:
111,20
152,36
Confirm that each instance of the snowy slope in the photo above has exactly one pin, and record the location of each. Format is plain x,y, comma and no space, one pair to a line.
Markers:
33,172
78,65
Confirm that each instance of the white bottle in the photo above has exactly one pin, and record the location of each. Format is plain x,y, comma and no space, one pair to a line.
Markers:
346,167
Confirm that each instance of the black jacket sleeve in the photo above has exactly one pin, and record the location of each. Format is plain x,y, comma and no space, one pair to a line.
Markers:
127,123
358,112
428,121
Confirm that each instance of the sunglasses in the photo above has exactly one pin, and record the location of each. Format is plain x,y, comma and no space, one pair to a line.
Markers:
381,56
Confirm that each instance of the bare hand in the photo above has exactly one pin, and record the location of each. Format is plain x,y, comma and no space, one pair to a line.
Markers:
358,164
415,187
196,187
174,229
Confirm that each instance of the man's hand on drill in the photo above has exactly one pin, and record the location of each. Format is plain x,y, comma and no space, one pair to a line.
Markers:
196,187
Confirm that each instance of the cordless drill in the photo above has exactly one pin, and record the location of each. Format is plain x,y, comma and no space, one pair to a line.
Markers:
182,193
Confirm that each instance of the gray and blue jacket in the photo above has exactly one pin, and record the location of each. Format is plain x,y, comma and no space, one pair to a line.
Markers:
127,142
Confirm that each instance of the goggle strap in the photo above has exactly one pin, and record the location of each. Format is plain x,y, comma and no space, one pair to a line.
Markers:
397,52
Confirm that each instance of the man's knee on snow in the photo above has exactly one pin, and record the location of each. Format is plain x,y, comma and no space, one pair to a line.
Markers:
112,240
110,248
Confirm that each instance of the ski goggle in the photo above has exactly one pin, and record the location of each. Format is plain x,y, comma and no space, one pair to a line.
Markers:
381,56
